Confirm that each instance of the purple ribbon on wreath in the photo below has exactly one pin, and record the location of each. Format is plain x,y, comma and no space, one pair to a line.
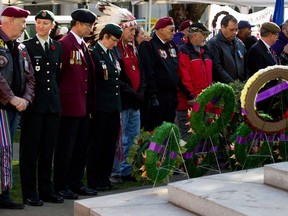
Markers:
283,137
159,149
272,91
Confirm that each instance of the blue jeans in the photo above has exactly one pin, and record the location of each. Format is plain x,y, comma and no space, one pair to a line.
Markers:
182,118
130,128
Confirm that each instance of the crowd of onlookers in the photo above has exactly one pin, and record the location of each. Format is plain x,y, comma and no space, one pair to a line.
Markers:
85,95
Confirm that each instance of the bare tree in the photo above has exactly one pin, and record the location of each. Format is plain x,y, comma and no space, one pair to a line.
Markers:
181,12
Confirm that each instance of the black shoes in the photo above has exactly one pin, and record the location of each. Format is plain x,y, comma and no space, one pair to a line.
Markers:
33,201
68,194
53,198
85,191
11,205
107,187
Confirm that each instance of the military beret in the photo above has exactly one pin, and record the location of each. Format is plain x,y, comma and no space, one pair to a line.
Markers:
84,15
163,22
271,27
114,29
199,27
45,14
13,11
185,25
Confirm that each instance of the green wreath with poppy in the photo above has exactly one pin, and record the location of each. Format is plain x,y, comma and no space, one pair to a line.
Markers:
250,150
223,95
199,162
162,152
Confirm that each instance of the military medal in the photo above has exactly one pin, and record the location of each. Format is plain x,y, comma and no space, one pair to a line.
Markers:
162,53
105,71
72,57
173,52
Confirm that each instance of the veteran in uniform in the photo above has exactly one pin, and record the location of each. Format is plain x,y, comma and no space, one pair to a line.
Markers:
40,123
76,86
158,59
106,124
17,92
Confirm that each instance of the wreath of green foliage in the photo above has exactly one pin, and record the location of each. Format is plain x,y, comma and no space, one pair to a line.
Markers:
136,153
226,99
163,133
241,151
200,162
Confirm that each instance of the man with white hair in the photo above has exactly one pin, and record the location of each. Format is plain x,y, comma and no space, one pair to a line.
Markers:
158,58
17,92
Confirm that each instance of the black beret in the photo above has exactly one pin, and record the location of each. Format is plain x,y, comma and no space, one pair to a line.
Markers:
13,11
45,14
83,15
114,29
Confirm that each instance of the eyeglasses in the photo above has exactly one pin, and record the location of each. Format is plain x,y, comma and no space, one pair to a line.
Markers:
90,25
114,39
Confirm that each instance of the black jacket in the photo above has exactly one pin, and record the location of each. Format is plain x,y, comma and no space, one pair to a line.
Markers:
46,71
259,57
107,82
228,59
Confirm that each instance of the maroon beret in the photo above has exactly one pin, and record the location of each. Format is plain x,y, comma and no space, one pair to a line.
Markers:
185,25
13,11
163,22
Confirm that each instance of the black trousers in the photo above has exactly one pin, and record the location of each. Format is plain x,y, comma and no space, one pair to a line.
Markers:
101,152
166,111
71,152
39,134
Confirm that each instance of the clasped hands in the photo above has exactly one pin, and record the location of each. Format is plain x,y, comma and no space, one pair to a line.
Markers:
19,103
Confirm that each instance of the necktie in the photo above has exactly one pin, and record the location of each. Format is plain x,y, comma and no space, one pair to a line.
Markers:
273,54
109,53
46,48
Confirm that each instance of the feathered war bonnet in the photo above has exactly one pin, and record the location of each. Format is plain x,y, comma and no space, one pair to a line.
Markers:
112,14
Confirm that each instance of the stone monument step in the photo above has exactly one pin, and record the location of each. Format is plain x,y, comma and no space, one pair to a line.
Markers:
236,193
146,202
276,175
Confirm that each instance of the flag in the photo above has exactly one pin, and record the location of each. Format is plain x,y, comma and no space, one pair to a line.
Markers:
278,16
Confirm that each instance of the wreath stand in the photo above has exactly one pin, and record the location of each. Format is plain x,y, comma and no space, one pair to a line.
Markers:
253,143
172,135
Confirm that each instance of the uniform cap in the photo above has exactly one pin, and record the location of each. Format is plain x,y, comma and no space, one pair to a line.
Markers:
163,22
244,24
271,27
114,29
185,25
199,27
45,14
84,15
13,11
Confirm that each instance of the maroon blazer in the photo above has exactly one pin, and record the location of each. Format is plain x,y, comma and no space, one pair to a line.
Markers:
73,83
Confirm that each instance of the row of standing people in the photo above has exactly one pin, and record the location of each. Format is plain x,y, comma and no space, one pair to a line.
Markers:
90,86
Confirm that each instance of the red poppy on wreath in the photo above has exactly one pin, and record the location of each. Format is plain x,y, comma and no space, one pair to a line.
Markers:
52,47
